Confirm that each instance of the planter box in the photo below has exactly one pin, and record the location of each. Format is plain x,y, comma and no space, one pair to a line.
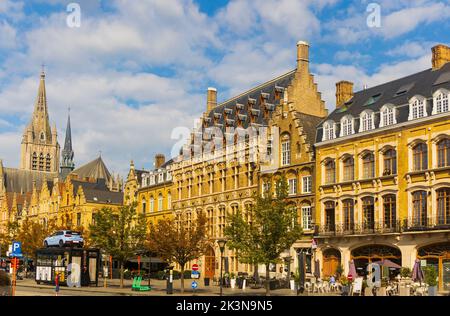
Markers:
5,291
432,290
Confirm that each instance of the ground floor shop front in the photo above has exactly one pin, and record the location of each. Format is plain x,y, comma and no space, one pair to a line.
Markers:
430,248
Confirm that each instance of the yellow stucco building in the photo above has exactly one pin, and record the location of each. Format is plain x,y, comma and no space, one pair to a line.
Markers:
382,173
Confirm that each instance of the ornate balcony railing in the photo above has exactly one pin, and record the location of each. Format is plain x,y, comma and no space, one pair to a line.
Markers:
375,227
385,227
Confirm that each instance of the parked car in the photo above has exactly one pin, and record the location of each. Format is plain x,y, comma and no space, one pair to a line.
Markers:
64,238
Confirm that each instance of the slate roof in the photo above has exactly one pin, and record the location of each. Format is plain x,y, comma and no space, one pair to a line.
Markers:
397,93
98,192
18,180
309,123
95,169
229,111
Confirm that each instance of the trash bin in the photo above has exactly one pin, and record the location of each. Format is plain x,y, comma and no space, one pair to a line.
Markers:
206,281
273,284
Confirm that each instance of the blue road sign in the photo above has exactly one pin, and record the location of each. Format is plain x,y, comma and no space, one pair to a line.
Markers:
194,285
16,249
195,275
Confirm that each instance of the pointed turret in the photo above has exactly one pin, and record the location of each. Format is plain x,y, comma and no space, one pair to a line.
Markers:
40,122
67,153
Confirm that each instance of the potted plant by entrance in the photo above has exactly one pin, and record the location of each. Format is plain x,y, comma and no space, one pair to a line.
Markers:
294,282
345,283
5,284
232,280
431,279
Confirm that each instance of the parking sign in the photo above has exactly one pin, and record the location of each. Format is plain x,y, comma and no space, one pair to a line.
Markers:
16,249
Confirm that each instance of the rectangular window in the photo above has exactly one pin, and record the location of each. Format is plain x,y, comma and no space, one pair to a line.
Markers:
349,168
306,217
307,184
286,153
349,220
292,186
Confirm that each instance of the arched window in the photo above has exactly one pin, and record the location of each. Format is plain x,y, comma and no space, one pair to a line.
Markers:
47,163
368,161
285,150
328,131
390,162
367,121
330,171
443,152
169,201
387,116
420,157
417,108
347,125
443,206
349,168
368,205
389,211
419,209
41,162
349,218
34,162
440,101
160,202
144,206
152,204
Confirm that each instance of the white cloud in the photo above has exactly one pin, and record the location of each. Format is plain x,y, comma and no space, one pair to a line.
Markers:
411,49
7,36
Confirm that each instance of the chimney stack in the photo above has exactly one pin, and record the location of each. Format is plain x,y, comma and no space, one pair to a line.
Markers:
160,159
440,56
303,56
211,99
344,92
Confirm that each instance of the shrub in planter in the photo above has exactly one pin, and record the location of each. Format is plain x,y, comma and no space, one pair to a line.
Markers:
345,282
405,272
431,279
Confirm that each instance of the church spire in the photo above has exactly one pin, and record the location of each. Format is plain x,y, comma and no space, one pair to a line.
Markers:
67,154
40,122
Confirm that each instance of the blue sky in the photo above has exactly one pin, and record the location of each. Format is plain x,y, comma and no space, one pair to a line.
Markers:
136,70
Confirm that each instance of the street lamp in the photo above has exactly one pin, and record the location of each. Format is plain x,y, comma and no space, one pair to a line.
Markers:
221,243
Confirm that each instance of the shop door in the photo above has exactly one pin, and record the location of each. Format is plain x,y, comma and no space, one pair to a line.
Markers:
330,265
210,263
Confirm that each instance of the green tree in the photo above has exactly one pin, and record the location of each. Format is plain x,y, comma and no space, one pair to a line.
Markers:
176,242
270,227
32,235
119,232
6,239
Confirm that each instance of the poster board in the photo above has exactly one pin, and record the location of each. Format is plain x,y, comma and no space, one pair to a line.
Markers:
357,286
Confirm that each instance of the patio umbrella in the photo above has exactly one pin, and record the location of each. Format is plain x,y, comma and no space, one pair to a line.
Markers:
352,269
388,263
417,273
317,269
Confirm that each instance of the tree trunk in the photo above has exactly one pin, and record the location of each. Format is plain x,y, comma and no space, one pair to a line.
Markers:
267,279
121,274
182,278
256,273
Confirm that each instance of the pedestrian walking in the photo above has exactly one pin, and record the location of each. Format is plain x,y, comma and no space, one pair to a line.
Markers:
56,284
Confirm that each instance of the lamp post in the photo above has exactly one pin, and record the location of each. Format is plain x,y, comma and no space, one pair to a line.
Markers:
221,243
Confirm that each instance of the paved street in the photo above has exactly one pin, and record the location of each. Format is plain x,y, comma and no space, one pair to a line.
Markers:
30,288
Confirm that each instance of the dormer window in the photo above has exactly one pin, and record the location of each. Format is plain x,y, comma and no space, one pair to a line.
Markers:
417,108
329,130
440,101
387,113
367,121
347,127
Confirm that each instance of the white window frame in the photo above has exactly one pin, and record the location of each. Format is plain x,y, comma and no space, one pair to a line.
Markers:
388,115
417,107
152,204
307,184
441,99
307,217
161,178
329,130
292,183
160,202
286,151
367,121
347,126
152,179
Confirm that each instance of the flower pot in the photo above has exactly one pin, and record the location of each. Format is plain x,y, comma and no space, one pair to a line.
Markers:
432,290
345,290
292,284
233,283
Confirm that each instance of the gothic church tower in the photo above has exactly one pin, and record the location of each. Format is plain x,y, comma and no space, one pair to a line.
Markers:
40,148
